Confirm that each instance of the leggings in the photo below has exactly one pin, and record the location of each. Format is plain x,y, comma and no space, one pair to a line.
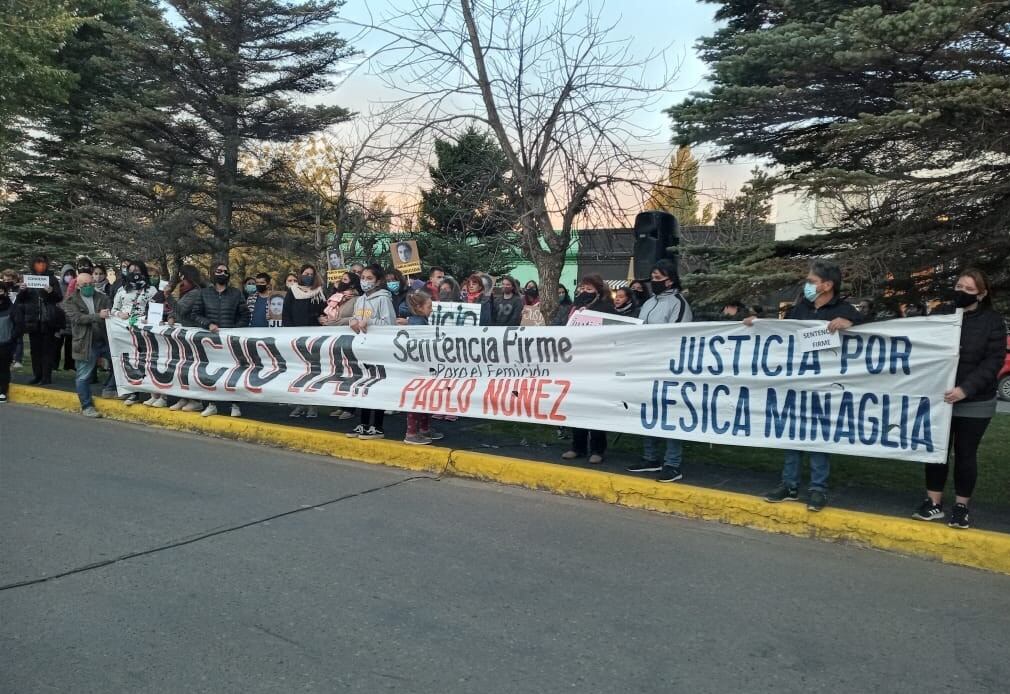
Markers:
371,417
966,434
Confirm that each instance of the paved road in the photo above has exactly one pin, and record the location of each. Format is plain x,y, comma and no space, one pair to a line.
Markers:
377,581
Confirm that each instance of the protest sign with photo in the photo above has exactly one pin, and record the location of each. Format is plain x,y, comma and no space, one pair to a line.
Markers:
880,394
275,309
406,259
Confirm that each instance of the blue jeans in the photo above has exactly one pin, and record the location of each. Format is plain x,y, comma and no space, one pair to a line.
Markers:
820,468
86,367
674,451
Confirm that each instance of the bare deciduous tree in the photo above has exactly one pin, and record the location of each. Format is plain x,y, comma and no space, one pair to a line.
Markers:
558,92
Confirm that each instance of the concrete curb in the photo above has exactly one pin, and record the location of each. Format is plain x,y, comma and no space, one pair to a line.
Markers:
976,548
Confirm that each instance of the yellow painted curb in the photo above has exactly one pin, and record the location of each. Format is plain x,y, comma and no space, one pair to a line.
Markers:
977,548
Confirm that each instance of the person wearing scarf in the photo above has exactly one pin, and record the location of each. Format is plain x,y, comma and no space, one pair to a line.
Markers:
303,305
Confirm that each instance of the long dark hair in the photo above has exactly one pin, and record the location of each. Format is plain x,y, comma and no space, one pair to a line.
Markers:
379,274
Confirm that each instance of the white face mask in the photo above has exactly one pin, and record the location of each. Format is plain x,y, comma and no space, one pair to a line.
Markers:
367,285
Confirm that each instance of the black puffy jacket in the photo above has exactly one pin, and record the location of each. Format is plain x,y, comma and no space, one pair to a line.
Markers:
39,311
227,309
983,349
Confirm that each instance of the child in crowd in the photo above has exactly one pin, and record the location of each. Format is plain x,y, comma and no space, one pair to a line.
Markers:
419,423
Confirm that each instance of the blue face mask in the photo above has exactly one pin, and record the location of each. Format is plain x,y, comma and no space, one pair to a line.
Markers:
393,286
810,291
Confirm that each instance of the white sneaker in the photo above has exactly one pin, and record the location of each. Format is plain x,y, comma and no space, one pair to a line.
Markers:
131,400
159,401
17,366
356,432
179,404
311,413
346,415
3,398
193,406
151,401
209,410
297,412
336,413
372,433
235,411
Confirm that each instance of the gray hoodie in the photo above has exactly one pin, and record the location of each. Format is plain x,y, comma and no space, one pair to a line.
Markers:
375,308
668,307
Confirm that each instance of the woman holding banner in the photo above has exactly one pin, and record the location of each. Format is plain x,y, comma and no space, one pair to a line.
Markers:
303,305
373,308
983,350
591,294
666,305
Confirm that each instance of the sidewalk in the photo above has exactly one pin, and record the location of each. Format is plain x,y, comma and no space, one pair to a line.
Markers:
540,444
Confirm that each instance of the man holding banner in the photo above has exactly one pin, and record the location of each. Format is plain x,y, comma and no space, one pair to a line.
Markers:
820,302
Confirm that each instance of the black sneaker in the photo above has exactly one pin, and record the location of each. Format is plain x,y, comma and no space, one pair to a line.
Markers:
959,517
645,466
670,474
928,511
782,493
817,501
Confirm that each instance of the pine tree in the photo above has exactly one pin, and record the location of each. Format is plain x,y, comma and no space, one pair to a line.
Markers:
466,222
905,105
58,179
234,74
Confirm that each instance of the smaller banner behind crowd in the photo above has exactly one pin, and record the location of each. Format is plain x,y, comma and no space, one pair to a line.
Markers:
875,391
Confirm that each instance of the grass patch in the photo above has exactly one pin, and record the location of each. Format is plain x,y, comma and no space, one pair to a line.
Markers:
846,470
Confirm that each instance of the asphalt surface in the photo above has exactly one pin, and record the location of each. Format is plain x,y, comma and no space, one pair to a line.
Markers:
376,580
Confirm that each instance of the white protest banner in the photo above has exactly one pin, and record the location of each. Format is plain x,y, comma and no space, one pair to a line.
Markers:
155,313
813,339
586,317
36,281
456,313
879,395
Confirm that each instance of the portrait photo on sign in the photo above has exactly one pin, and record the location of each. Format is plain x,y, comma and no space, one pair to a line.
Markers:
275,309
334,259
406,259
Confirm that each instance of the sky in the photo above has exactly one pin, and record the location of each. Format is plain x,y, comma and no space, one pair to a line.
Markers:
675,24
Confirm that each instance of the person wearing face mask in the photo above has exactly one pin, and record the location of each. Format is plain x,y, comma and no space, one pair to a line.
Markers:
591,295
508,308
64,344
39,314
340,306
374,308
640,288
258,292
303,305
477,289
87,311
220,307
101,280
182,301
10,335
532,315
564,308
11,281
821,301
398,288
120,280
981,355
666,305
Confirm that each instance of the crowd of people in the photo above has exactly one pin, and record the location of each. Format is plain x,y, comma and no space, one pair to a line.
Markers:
65,319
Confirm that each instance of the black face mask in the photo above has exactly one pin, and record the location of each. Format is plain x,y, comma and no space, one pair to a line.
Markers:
306,280
640,294
963,299
137,280
342,286
221,277
533,292
261,288
585,298
658,287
